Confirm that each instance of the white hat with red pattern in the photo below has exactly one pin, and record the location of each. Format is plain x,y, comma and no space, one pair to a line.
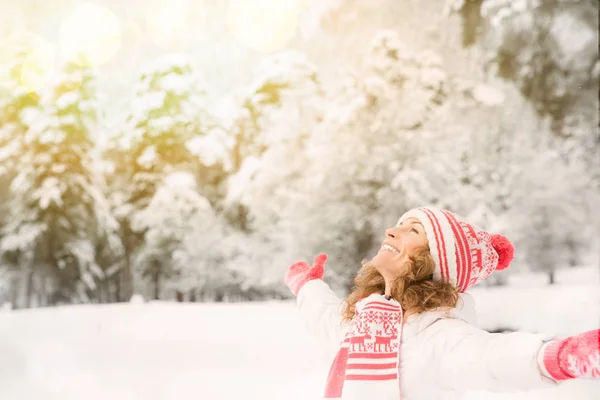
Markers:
464,254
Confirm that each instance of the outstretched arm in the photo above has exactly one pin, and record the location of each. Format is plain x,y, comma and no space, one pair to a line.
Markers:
463,357
319,306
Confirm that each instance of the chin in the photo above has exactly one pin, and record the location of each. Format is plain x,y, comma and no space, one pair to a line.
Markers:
387,264
381,262
387,256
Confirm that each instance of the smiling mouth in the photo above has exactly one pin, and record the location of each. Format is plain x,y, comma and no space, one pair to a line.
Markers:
387,247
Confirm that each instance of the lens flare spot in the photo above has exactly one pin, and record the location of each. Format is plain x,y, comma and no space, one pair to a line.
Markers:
263,25
11,20
173,24
90,34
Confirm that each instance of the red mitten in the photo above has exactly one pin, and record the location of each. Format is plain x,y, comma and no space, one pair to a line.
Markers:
574,357
300,273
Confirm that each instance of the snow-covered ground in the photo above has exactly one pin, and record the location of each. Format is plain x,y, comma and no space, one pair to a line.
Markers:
261,351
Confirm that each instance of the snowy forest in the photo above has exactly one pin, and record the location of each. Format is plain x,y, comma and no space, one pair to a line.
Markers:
201,178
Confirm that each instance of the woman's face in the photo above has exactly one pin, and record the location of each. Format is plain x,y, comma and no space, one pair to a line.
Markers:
400,242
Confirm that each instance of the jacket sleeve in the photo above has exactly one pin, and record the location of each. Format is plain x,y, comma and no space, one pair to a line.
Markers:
321,311
463,357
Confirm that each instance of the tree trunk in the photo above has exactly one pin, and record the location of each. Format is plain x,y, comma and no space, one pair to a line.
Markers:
14,291
101,292
551,277
156,279
42,291
28,287
125,290
126,280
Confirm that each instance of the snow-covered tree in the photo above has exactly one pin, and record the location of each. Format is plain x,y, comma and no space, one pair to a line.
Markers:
60,223
547,48
221,260
277,112
174,211
161,135
16,100
165,114
553,220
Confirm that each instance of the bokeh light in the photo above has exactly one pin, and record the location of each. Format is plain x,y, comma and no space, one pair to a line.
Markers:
263,25
132,31
90,34
28,60
11,20
169,23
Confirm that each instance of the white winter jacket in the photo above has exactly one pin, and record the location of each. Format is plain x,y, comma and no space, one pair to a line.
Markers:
442,354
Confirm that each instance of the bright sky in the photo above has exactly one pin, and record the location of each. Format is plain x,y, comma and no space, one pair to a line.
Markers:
225,37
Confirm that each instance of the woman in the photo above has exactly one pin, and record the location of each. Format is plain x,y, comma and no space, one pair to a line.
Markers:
407,330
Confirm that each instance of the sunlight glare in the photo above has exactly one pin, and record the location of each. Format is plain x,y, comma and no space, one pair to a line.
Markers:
32,59
170,23
263,25
90,34
11,20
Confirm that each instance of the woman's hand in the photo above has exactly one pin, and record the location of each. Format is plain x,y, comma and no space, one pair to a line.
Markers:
574,357
300,273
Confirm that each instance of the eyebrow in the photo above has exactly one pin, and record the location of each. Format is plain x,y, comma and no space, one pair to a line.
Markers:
412,221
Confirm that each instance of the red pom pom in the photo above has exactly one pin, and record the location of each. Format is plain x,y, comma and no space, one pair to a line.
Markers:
505,251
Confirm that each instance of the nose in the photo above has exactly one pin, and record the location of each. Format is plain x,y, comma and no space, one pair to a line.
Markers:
393,232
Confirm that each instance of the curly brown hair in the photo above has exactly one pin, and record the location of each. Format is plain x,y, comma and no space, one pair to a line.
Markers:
416,290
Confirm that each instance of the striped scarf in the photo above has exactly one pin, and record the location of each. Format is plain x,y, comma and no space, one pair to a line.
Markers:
366,365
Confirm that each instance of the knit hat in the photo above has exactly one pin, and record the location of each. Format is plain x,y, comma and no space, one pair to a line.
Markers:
464,254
